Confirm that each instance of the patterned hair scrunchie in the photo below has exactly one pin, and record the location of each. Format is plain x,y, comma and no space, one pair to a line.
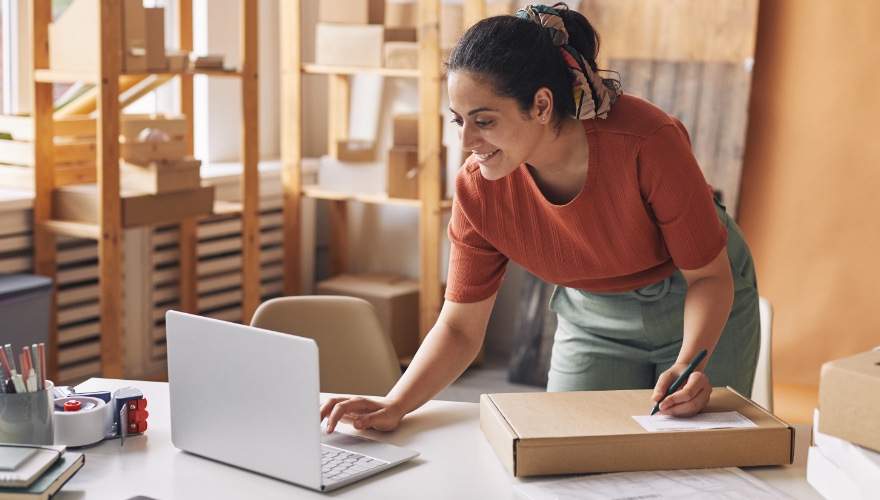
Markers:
603,92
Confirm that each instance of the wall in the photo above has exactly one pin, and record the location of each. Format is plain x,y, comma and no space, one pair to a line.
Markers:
812,168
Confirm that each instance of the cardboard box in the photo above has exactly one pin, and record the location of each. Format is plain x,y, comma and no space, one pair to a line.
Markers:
146,152
80,203
402,55
155,21
355,150
861,466
848,399
161,176
401,14
351,11
349,44
134,37
400,34
178,60
405,130
396,299
585,432
131,126
403,180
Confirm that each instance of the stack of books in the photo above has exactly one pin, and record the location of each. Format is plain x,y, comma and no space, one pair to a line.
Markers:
844,461
35,472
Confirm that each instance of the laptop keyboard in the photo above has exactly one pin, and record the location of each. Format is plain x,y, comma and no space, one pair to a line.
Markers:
338,465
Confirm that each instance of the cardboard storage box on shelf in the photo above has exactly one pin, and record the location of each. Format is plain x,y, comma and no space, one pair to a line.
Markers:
134,36
351,11
396,299
178,60
355,150
400,34
849,399
403,180
80,203
132,125
402,55
400,14
349,44
347,176
146,152
155,19
160,176
405,130
541,433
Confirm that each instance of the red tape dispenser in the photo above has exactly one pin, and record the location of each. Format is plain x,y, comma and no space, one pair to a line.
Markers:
131,410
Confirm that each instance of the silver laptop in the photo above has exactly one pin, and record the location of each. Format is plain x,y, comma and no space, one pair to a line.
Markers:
250,398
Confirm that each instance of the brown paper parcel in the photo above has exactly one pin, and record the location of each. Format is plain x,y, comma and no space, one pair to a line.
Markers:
541,433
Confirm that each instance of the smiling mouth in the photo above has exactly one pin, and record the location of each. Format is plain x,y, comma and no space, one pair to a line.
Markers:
485,156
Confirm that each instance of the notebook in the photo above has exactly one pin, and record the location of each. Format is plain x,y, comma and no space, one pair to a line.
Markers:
20,465
46,485
250,398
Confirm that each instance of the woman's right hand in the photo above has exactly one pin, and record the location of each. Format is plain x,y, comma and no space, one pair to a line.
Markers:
361,413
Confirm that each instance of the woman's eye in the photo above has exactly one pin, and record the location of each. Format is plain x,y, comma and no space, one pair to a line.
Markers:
457,121
483,124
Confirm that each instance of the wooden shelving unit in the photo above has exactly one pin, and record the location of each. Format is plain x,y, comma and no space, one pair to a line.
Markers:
109,230
430,204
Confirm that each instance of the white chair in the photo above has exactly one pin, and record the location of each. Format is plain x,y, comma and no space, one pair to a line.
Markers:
355,354
762,389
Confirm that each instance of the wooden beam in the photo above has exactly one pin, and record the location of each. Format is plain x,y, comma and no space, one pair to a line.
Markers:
338,237
110,216
45,249
430,230
187,237
291,142
250,182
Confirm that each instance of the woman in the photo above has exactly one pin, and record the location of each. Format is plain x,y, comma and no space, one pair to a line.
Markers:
597,192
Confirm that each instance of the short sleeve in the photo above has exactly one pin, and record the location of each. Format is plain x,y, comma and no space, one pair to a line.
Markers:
675,189
476,268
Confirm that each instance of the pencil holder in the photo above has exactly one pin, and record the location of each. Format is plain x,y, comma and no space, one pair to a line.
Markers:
27,418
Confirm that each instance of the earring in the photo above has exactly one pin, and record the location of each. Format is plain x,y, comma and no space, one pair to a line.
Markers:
543,118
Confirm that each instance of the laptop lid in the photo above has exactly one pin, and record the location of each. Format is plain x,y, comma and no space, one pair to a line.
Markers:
245,396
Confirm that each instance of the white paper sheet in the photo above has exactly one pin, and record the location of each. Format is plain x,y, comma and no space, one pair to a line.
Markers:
721,420
697,484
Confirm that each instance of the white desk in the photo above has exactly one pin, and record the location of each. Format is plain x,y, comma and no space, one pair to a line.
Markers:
456,461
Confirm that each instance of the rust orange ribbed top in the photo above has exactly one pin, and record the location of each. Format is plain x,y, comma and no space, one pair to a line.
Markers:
644,211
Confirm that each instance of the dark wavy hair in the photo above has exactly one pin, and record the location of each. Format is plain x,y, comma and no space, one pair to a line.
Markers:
518,57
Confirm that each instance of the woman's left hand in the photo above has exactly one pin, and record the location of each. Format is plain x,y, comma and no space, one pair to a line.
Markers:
689,399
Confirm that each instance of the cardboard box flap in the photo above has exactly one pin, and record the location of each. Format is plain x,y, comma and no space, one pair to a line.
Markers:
497,431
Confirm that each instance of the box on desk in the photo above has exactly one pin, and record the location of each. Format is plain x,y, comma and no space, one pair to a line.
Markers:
396,299
541,433
80,203
349,44
848,390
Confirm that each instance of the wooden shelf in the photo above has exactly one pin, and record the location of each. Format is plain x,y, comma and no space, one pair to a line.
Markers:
372,198
60,76
87,230
317,69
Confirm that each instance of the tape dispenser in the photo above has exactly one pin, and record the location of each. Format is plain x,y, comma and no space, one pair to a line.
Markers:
86,418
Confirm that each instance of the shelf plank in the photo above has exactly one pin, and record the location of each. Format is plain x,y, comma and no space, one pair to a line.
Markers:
62,76
372,198
85,230
319,69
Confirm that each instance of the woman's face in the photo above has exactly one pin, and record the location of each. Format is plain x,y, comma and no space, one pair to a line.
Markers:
492,127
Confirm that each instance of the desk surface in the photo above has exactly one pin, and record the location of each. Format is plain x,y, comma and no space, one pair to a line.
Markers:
456,461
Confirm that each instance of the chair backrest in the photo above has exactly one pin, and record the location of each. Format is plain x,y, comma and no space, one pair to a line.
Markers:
355,354
762,389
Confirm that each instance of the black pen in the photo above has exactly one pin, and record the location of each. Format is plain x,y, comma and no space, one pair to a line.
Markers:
681,378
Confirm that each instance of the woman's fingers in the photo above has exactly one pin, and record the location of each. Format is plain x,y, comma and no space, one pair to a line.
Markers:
690,399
